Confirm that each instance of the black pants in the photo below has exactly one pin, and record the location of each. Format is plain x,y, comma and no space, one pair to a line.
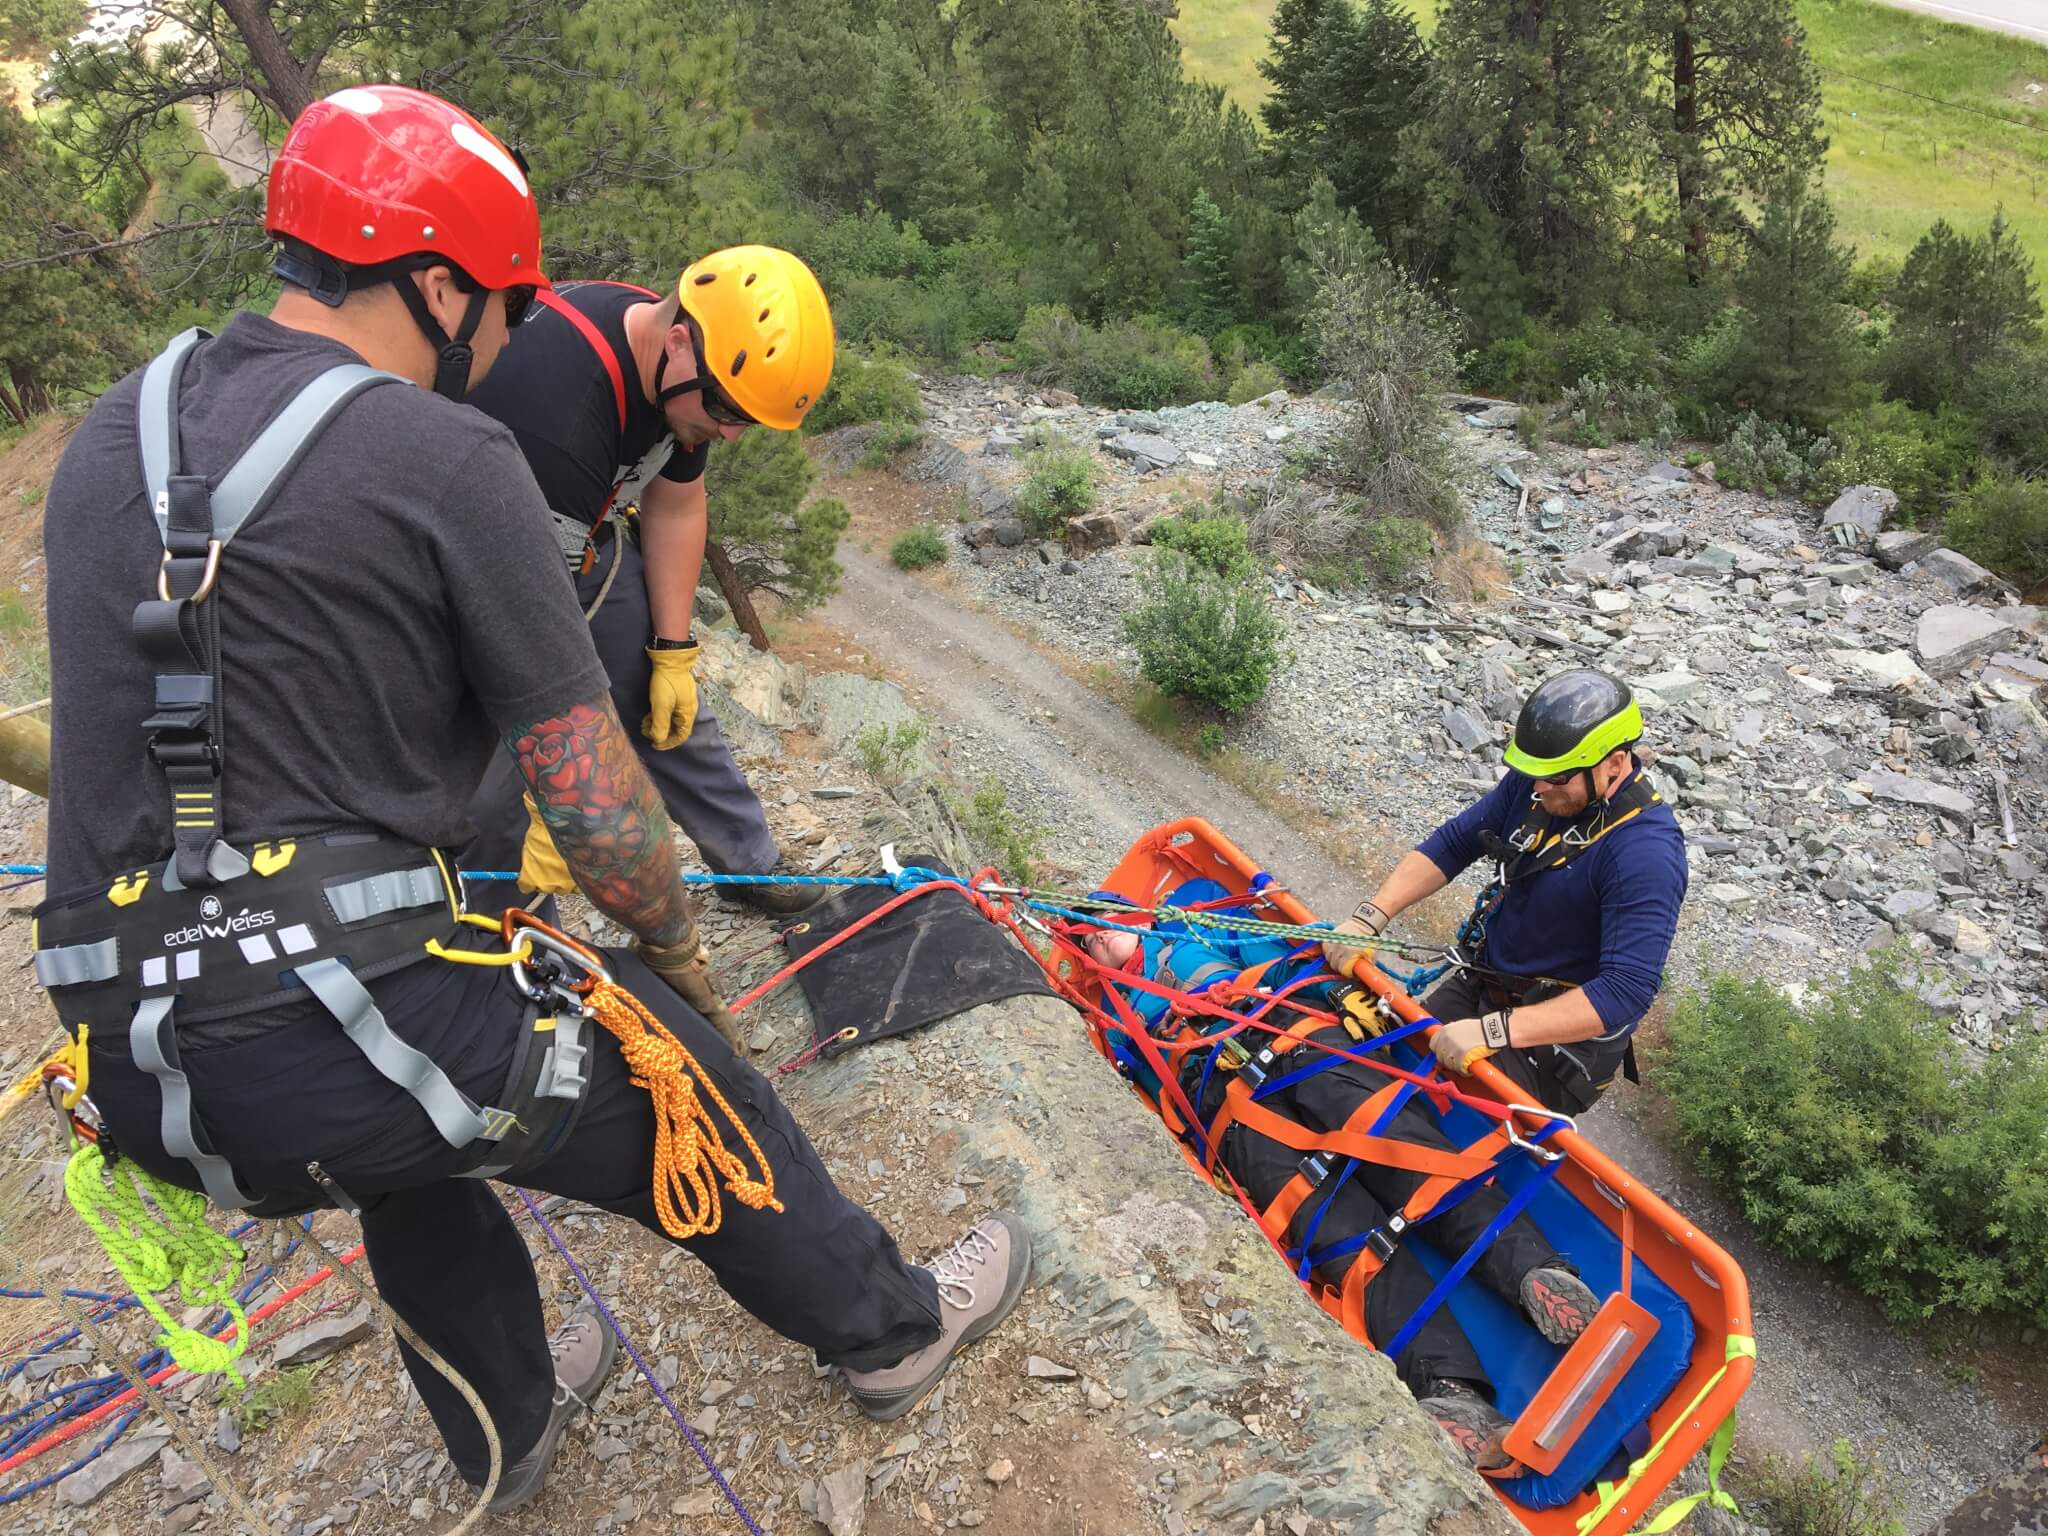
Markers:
1440,1350
278,1091
1567,1078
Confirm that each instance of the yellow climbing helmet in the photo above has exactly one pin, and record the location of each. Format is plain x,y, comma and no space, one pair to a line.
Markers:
1572,721
766,327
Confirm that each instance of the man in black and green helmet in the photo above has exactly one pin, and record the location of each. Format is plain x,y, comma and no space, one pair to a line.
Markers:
1590,873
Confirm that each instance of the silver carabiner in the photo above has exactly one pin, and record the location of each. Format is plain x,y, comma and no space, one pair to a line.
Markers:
551,991
1517,1139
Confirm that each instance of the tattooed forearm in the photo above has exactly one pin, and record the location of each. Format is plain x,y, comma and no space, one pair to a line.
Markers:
606,819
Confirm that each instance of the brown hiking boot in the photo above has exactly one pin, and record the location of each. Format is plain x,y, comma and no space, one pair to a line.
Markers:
1475,1426
776,900
1559,1303
980,1278
584,1350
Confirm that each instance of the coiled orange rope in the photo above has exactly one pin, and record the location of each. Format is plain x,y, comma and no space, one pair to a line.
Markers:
690,1154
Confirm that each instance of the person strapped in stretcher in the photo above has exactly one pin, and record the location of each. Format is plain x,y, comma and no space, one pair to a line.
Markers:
1340,1219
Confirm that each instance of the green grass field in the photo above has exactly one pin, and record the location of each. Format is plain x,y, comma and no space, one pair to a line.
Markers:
1895,162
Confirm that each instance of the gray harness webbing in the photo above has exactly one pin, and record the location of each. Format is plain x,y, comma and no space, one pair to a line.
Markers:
179,631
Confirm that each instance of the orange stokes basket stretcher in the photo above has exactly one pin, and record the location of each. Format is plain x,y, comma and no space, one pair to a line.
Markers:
1603,1429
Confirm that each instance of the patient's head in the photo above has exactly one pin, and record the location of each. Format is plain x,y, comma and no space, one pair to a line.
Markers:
1111,947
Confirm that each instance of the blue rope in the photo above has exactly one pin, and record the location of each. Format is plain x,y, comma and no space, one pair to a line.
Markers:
61,1473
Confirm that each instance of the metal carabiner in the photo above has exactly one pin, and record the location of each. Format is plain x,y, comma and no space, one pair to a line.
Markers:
1517,1139
532,987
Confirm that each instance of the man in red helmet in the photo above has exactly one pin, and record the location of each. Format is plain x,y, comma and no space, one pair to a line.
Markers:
347,592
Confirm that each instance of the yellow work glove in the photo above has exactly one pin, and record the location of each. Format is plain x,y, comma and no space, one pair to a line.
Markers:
1367,921
671,697
1464,1041
541,867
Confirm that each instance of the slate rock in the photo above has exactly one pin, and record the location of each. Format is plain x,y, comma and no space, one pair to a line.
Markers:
134,1450
1466,729
1041,1369
1898,547
1675,473
1959,573
1671,687
1145,449
1952,635
1093,531
1892,668
324,1336
1886,785
838,1501
1860,512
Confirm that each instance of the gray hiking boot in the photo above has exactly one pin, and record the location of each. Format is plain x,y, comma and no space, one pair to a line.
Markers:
1475,1426
776,900
980,1278
584,1350
1559,1303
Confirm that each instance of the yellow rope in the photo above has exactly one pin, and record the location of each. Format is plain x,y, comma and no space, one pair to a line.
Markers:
689,1153
1738,1346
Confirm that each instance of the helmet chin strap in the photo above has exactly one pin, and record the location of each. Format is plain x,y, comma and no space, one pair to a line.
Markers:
451,370
687,387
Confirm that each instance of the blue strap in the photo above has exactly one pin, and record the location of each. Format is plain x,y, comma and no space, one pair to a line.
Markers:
1268,1089
1517,1203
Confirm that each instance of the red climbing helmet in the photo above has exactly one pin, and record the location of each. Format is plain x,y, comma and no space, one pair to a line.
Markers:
378,172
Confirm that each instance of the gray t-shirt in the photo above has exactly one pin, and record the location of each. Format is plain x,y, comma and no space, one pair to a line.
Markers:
396,608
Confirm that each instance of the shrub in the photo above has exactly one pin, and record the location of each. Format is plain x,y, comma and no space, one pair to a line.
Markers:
1221,541
1390,347
1396,549
1763,456
1200,636
1532,425
1015,843
2007,397
889,754
1521,365
1061,485
1254,379
1608,350
1925,459
1129,364
1851,1498
866,389
1602,411
891,441
1854,1134
1209,740
918,548
2004,524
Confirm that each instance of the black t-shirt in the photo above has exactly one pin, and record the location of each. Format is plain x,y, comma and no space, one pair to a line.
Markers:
396,608
555,393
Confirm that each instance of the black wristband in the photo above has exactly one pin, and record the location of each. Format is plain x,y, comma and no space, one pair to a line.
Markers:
684,644
1494,1028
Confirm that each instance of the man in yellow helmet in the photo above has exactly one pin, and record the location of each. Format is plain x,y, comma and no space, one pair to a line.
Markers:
1590,871
615,395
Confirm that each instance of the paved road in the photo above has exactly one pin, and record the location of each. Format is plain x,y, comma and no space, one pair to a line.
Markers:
2022,18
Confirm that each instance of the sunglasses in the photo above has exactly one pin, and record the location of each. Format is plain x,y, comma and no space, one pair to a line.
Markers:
518,301
718,405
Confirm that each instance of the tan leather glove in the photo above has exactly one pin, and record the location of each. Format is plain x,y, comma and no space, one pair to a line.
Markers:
1367,921
541,866
686,966
1464,1041
671,697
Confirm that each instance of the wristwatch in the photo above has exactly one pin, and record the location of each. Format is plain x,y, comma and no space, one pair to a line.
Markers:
659,644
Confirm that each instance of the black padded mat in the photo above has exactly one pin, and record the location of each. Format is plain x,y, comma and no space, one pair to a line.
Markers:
928,960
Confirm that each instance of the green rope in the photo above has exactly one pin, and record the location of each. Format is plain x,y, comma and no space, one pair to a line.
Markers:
1237,923
153,1249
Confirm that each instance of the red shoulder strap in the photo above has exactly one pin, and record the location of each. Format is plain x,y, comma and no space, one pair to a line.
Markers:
552,299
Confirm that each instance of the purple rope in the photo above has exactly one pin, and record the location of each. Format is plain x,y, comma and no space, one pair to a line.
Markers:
689,1434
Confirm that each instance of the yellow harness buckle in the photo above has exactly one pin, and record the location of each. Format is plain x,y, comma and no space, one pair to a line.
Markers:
269,858
126,890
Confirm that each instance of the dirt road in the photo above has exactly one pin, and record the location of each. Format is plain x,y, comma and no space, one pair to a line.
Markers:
1828,1364
2020,18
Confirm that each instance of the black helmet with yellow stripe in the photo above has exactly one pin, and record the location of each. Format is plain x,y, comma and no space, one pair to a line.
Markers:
1571,722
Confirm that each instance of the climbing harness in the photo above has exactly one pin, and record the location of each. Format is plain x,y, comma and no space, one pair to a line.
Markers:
218,932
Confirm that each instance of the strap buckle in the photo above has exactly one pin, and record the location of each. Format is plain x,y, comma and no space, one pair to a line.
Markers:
185,750
1315,1168
1254,1071
1383,1240
206,578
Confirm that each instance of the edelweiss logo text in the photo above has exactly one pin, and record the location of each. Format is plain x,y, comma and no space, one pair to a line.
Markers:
243,921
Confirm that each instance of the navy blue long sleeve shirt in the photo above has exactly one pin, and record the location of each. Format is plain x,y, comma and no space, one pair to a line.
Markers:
1605,920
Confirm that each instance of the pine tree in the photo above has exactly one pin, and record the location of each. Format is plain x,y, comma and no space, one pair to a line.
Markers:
1744,111
1213,297
71,323
1346,79
1528,128
1961,300
1797,357
767,533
